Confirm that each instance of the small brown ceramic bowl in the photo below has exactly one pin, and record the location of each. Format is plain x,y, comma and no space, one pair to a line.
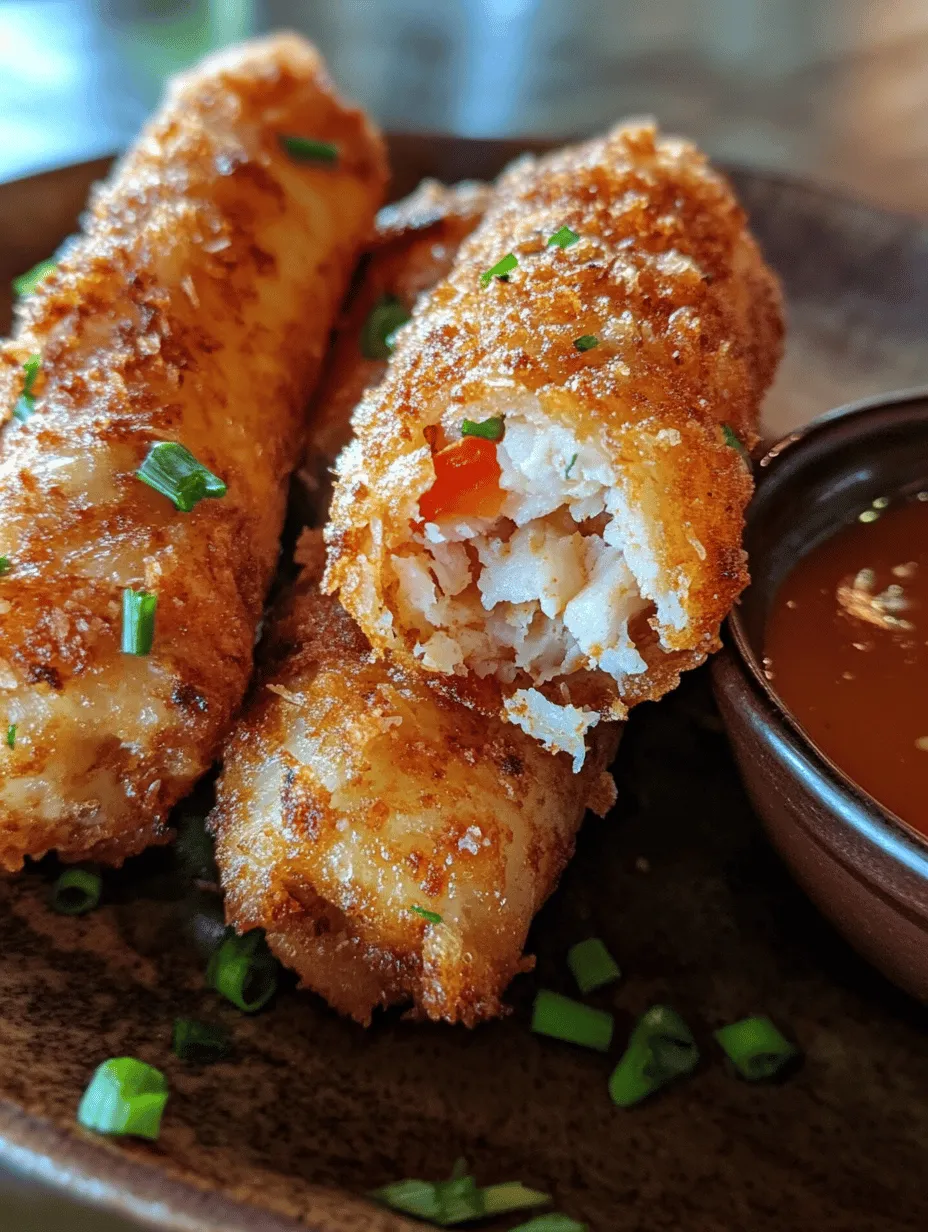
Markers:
865,869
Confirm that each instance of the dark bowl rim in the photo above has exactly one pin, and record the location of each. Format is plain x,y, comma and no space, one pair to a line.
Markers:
874,820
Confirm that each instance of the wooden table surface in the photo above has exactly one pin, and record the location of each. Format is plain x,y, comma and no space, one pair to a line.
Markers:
832,90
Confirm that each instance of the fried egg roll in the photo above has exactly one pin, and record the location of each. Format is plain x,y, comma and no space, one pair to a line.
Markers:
543,503
393,843
181,336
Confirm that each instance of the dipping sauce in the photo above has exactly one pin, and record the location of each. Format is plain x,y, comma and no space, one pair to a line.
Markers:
847,650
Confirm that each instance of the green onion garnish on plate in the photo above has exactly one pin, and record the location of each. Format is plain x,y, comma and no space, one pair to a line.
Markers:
592,964
11,736
564,1019
243,970
512,1196
501,269
172,470
138,621
756,1048
555,1222
26,283
199,1043
570,467
24,406
562,238
661,1049
124,1096
384,319
459,1199
586,342
432,916
77,890
4,565
308,149
490,429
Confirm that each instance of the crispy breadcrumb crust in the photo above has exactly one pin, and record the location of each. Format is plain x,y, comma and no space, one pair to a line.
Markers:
347,762
667,271
414,245
196,307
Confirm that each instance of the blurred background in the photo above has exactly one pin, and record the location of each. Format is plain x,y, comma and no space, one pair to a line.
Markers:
832,90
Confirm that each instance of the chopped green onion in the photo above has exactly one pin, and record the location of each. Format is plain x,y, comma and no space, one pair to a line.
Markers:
199,1042
77,890
4,565
592,964
570,466
432,916
308,149
243,970
26,283
489,429
586,342
732,439
500,270
172,470
661,1049
11,736
138,621
412,1197
25,403
384,319
555,1222
569,1020
756,1048
562,238
511,1196
124,1096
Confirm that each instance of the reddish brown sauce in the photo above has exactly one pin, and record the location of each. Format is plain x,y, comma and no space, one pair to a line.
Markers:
847,650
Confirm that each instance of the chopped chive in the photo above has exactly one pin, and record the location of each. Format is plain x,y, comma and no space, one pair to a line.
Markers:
77,890
384,319
732,439
569,1020
555,1222
489,429
243,970
199,1043
661,1048
511,1196
592,964
138,621
24,406
500,270
756,1048
11,736
124,1096
562,238
4,565
432,916
570,466
26,283
172,470
308,150
586,342
412,1197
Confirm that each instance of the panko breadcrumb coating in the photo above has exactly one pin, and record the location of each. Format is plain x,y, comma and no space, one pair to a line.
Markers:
353,792
195,308
544,501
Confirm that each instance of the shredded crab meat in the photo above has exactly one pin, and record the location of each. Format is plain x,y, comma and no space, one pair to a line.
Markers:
547,589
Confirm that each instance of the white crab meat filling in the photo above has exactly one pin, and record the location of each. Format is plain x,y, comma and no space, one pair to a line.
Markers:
547,589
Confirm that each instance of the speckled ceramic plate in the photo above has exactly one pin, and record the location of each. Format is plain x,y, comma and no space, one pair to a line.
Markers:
311,1111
